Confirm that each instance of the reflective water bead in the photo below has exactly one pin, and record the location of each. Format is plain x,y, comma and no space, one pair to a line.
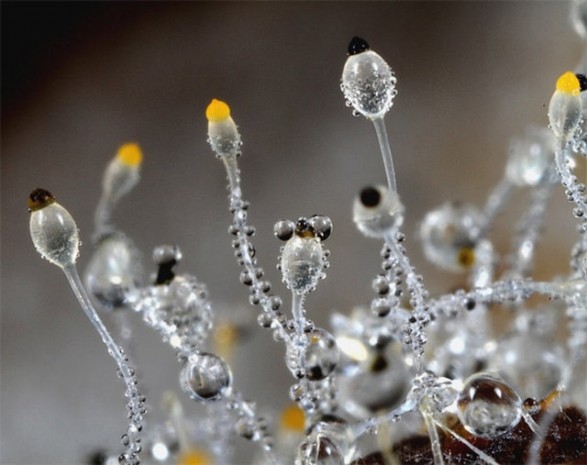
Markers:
565,107
205,376
113,273
284,229
368,82
449,235
320,355
380,381
302,263
329,442
53,230
530,156
321,226
487,406
377,211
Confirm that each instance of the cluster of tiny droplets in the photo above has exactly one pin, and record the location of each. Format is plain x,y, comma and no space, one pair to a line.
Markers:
131,440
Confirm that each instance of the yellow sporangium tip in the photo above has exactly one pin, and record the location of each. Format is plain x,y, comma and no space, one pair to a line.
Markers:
130,154
293,419
193,457
217,111
568,83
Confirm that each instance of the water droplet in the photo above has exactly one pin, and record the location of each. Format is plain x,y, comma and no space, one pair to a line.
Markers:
204,376
114,271
320,356
530,156
449,235
487,406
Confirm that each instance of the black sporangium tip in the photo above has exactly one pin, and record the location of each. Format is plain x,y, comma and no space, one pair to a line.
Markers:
165,272
582,82
370,197
357,45
39,199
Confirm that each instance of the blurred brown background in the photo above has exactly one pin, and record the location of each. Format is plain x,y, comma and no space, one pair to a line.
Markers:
79,79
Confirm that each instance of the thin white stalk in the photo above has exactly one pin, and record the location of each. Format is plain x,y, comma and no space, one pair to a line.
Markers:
383,140
134,396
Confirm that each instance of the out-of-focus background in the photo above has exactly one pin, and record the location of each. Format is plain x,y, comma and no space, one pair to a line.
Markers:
80,79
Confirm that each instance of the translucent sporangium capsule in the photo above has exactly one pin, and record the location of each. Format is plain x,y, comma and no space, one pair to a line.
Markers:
377,211
368,83
53,229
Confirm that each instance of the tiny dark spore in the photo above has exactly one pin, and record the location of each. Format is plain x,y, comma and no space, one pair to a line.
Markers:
370,197
39,199
357,45
582,82
165,272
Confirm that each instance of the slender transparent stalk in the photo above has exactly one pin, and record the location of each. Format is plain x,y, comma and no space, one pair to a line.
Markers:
103,215
245,246
434,438
529,228
486,458
496,200
419,299
297,311
385,148
135,400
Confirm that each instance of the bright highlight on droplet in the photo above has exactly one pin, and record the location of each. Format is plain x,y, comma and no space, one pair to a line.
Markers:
568,83
130,154
293,419
217,111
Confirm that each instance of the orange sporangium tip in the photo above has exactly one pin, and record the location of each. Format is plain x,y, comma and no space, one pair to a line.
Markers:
217,111
568,83
293,419
193,457
130,154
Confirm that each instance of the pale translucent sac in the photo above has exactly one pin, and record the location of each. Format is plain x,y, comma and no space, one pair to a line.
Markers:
55,235
114,271
368,84
449,235
530,156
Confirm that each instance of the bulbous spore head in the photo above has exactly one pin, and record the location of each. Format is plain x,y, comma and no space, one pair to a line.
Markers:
53,230
205,376
377,211
114,271
487,406
302,263
368,83
357,45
